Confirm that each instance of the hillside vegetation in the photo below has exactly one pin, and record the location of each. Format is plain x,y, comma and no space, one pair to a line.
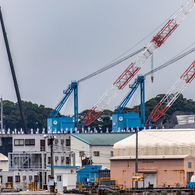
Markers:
36,115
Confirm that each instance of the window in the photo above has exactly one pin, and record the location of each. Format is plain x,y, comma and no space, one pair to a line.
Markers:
42,145
111,153
67,142
30,177
189,164
49,160
81,153
62,141
59,178
56,141
18,142
10,179
29,142
24,177
96,153
16,160
62,158
56,158
17,178
67,160
1,178
36,178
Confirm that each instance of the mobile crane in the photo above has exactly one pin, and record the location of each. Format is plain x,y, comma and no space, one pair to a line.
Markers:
13,74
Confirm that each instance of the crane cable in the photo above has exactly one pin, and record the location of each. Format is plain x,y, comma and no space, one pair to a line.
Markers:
111,65
176,58
114,62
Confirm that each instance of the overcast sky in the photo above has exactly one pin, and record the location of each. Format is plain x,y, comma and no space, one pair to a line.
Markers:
54,42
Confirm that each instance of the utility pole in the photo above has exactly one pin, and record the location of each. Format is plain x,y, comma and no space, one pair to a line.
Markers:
51,179
136,163
52,169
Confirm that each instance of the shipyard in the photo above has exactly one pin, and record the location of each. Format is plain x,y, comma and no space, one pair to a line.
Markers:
137,138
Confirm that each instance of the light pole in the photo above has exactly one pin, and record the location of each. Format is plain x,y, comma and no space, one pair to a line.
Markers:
51,180
136,163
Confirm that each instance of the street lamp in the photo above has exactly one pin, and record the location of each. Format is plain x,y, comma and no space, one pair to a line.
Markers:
51,180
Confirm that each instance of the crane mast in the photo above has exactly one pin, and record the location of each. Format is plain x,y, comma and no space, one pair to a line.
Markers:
137,64
172,95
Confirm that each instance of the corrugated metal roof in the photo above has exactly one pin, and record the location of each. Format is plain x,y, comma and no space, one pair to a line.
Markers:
158,142
101,138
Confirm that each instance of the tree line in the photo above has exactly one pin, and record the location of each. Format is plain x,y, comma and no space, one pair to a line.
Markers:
36,115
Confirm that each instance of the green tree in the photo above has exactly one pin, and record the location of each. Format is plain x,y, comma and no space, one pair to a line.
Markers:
36,116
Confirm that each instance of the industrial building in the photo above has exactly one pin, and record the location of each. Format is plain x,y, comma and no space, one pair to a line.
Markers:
164,155
158,170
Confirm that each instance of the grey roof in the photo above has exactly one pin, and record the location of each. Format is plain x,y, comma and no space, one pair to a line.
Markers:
101,138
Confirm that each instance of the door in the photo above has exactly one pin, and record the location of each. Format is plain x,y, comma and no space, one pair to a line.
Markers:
150,179
42,145
59,185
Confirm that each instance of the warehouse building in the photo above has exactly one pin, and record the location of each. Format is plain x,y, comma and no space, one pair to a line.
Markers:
166,157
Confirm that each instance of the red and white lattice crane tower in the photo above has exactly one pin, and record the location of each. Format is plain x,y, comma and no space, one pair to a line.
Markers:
136,65
172,95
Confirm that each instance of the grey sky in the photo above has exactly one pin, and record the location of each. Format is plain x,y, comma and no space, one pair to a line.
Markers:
56,41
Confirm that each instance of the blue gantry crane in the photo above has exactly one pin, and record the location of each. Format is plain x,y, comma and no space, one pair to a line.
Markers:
64,123
130,119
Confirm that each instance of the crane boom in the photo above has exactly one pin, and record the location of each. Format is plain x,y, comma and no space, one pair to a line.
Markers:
140,79
13,74
172,95
71,87
136,65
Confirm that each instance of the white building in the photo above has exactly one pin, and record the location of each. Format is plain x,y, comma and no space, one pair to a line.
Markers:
95,146
65,177
32,152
